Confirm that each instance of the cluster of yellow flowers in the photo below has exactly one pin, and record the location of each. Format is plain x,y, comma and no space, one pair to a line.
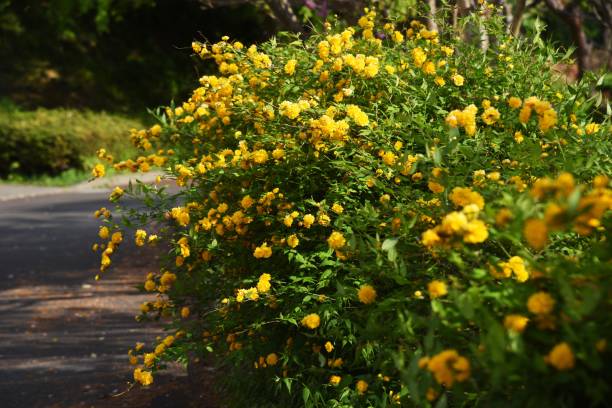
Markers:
465,118
447,367
591,207
462,224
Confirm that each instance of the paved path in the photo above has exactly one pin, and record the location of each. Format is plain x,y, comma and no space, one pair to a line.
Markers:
63,336
10,191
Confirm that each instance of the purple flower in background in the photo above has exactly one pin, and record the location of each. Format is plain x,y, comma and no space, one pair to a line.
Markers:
321,10
310,4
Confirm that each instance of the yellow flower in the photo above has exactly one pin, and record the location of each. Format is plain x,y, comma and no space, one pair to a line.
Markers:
463,196
117,237
185,312
260,156
440,81
104,233
430,238
308,220
601,181
311,321
389,158
335,380
246,202
431,394
167,278
535,232
139,237
518,137
293,241
436,289
323,48
116,194
490,115
458,80
288,220
592,128
337,208
271,359
278,153
336,240
475,232
181,215
514,102
454,223
525,114
290,109
418,56
358,116
263,251
336,363
515,322
263,285
329,347
435,188
429,68
184,247
149,285
361,387
366,294
561,357
247,294
448,366
517,266
547,120
149,359
143,377
98,171
540,303
290,67
447,50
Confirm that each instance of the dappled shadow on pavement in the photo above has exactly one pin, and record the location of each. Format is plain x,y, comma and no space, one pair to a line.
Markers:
64,337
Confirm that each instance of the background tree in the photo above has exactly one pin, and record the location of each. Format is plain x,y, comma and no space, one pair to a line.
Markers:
122,56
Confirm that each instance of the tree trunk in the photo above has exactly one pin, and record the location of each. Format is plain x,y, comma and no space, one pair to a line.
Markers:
284,14
571,14
517,17
462,9
603,13
431,20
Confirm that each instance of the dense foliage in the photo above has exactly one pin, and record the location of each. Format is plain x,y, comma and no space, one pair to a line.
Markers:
378,216
49,141
119,56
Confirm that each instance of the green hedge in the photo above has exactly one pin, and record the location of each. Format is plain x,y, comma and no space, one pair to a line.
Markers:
51,141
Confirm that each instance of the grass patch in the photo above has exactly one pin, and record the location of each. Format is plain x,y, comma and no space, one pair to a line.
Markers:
66,178
57,146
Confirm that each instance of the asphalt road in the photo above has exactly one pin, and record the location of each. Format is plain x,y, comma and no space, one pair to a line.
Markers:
63,336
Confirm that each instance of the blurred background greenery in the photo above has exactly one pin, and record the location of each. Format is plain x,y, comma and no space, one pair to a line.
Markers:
72,60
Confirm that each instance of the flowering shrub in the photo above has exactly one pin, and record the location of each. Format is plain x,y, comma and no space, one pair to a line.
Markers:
376,220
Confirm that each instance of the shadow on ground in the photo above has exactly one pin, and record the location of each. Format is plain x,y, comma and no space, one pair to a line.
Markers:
64,337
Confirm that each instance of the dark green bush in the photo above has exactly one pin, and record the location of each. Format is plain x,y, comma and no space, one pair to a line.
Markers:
51,141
